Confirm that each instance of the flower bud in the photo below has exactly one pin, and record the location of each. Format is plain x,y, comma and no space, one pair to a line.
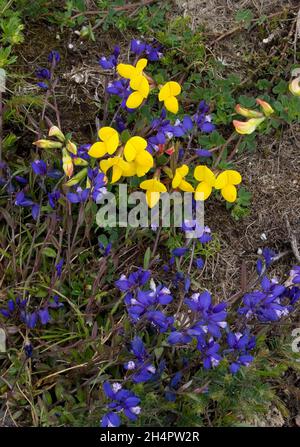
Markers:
47,144
267,109
294,87
77,178
54,131
79,161
67,163
71,147
248,113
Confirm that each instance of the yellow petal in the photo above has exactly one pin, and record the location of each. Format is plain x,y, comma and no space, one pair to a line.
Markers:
134,100
105,165
229,177
116,173
248,113
106,132
203,174
133,146
141,64
169,89
176,180
229,193
97,150
152,198
126,71
267,109
153,185
186,186
203,191
130,169
144,158
140,84
171,104
183,170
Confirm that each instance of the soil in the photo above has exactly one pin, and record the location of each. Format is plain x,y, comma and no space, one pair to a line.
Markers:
271,173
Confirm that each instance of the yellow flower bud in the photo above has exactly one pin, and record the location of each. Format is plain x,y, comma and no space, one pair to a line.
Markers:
47,144
54,131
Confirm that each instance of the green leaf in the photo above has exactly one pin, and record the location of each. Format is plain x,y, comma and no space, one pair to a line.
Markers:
147,258
49,252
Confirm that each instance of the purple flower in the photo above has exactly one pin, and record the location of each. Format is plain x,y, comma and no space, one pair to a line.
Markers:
98,184
210,318
28,349
35,211
44,316
54,55
80,196
121,401
106,250
39,167
203,153
111,419
137,47
134,280
203,119
109,63
54,303
180,251
143,369
42,85
170,394
42,73
30,319
53,197
160,320
209,353
22,200
59,267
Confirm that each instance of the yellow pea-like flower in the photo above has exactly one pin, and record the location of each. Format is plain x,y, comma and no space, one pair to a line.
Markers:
129,71
136,154
118,165
153,189
168,94
207,180
247,127
226,182
266,107
179,181
108,145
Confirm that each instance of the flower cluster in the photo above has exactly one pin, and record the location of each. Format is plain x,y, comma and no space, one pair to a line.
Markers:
122,400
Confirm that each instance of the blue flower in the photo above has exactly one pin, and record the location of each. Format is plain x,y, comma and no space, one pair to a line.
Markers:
239,345
42,85
134,280
210,318
98,184
28,349
203,119
121,401
109,63
44,316
30,319
111,419
209,353
22,200
53,197
144,370
42,73
180,251
39,167
58,268
170,393
203,153
265,305
80,196
54,55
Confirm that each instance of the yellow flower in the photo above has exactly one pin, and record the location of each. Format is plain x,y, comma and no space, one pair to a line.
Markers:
247,127
141,161
71,147
138,82
108,145
267,109
168,94
129,71
54,131
248,113
294,86
118,165
67,163
178,180
226,182
207,181
153,189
